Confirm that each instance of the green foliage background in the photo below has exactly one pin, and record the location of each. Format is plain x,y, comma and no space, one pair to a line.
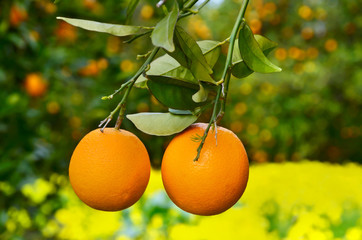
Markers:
309,111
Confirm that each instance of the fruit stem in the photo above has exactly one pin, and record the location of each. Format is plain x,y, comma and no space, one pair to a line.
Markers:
225,79
212,119
123,86
122,104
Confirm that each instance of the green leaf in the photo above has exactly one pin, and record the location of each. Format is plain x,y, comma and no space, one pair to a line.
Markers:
201,95
180,112
162,35
189,55
168,66
265,44
239,68
211,50
173,93
114,29
252,54
161,124
180,3
130,9
191,48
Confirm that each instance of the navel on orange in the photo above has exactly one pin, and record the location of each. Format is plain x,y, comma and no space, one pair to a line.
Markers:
109,171
212,184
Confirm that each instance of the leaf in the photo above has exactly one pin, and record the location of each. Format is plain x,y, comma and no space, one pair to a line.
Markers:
168,66
211,50
162,35
189,55
201,95
180,3
114,29
239,68
191,49
252,54
179,112
130,9
173,93
265,44
161,124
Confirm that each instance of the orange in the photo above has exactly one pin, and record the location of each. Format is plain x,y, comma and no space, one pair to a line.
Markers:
35,85
91,69
17,15
331,45
212,184
66,32
109,171
147,12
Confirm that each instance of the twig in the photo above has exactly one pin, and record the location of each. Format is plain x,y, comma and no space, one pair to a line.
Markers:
122,104
123,86
137,36
189,11
224,77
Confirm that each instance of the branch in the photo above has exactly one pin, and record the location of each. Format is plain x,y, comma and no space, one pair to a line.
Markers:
221,91
122,104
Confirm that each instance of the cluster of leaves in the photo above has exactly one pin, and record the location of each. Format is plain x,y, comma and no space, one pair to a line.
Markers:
183,78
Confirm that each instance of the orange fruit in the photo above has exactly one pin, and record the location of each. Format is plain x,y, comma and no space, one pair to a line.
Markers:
109,171
17,15
147,12
35,85
66,32
212,184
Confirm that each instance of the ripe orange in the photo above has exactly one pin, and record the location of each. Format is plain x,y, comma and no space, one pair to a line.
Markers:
147,12
109,171
17,15
35,85
212,184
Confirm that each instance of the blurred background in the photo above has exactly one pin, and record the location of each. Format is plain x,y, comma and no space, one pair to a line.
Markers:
301,128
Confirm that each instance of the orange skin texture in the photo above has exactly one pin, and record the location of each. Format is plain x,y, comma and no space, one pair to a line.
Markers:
35,85
109,171
212,184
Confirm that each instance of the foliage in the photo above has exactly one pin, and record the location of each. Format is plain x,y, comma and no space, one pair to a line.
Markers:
308,199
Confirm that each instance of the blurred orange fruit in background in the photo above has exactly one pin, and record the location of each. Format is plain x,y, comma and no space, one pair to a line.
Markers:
35,85
331,45
66,32
17,15
147,12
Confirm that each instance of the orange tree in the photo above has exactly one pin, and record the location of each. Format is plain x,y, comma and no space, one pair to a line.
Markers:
183,79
